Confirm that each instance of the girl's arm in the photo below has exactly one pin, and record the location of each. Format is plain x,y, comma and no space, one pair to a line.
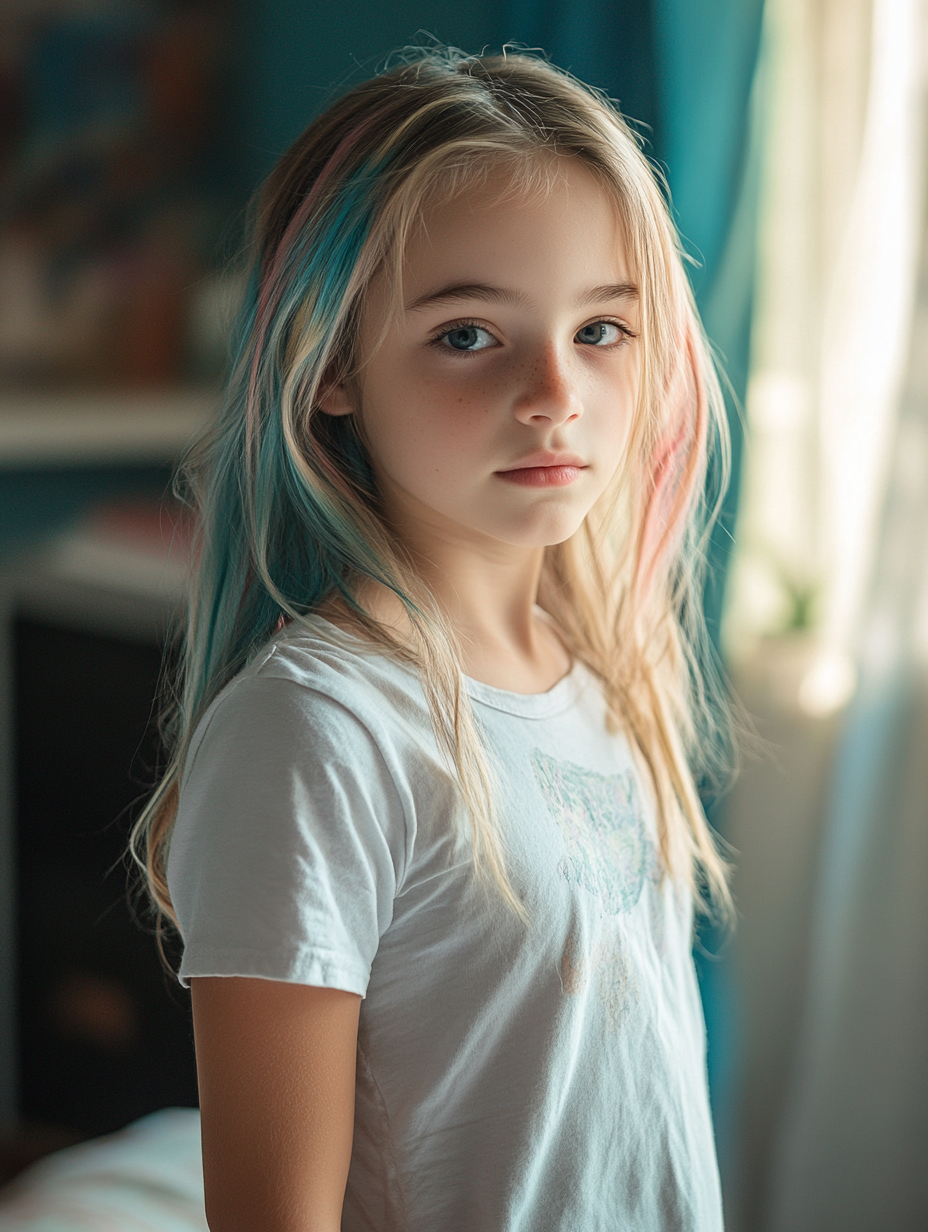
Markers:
276,1071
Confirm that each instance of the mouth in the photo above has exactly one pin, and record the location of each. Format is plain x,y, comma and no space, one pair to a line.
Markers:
544,470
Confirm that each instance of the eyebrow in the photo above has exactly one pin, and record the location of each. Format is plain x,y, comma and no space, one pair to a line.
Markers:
507,295
610,291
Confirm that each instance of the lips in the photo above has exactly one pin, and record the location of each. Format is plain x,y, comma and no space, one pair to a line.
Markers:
544,470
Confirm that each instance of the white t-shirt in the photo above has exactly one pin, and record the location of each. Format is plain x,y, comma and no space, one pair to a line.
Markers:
511,1078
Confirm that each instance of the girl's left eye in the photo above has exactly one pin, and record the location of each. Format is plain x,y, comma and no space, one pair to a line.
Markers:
601,333
466,338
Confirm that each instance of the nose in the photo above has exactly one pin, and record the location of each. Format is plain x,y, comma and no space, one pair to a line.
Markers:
547,391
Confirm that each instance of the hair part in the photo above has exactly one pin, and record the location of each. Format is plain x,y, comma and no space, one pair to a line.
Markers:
286,503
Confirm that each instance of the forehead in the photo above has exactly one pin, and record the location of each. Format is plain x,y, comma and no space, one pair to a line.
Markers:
559,226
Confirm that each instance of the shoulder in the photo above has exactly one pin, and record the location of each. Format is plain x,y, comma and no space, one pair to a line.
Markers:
296,777
318,657
310,688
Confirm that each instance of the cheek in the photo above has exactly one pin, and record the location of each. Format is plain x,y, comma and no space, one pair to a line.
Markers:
409,447
425,423
616,408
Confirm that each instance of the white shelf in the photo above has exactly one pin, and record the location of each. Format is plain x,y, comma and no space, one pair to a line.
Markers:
100,428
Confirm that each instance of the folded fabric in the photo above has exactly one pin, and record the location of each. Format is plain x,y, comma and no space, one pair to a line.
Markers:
146,1178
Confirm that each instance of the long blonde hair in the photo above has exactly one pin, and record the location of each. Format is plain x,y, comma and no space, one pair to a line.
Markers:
286,504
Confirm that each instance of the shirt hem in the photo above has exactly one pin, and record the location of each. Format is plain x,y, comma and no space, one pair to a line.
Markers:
312,970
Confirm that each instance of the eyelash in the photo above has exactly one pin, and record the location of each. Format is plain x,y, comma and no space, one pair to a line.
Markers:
467,323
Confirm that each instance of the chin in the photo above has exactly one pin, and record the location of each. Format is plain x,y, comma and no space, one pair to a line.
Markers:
543,534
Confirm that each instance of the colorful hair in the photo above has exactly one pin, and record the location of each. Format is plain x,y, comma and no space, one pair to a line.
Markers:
286,503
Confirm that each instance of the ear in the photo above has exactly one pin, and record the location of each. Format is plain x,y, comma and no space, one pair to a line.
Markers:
334,400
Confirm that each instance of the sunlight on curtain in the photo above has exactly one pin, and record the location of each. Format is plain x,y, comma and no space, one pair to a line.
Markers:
853,1138
830,600
838,251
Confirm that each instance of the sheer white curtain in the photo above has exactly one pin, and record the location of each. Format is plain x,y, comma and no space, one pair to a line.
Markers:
854,1146
835,538
839,239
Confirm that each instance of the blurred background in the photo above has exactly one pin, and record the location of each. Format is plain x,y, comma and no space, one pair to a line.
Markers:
792,136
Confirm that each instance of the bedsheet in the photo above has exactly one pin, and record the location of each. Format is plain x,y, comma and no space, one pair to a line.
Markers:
147,1177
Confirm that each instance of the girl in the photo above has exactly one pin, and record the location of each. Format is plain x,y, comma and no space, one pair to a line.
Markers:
430,834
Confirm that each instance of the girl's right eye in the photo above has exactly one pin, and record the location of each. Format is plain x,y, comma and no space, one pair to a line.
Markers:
465,338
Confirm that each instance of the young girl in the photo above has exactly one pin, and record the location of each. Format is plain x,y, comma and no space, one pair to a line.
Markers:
430,834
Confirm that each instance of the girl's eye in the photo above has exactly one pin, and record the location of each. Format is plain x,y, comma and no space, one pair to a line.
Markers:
466,338
601,333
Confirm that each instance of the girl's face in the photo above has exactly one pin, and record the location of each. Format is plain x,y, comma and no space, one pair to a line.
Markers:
497,406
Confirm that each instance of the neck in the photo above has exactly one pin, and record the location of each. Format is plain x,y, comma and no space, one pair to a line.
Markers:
488,591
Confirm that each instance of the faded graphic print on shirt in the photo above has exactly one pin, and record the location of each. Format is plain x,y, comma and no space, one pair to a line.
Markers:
602,820
610,856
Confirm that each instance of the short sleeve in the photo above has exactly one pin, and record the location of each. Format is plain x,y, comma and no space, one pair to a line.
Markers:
289,840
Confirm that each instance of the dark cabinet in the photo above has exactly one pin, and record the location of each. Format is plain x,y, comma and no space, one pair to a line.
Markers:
101,1034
